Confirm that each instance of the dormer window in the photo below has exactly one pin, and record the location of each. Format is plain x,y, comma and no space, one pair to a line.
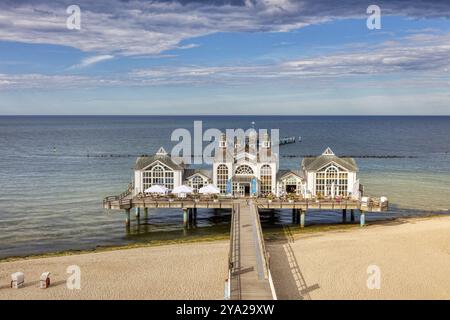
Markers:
161,152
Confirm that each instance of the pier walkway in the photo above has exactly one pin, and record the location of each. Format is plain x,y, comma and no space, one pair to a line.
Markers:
249,274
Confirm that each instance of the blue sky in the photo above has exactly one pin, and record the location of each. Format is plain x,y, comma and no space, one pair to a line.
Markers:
221,57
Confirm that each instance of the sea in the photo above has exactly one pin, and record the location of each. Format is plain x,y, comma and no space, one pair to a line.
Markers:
55,171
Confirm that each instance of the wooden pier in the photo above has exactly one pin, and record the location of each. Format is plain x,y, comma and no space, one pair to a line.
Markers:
300,207
249,276
249,271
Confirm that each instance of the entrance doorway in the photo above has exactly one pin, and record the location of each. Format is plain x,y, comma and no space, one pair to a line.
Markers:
290,188
247,190
244,189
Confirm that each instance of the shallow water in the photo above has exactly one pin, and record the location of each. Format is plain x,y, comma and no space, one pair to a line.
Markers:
51,191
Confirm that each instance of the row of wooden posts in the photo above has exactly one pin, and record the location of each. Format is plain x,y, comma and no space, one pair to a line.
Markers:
189,215
298,216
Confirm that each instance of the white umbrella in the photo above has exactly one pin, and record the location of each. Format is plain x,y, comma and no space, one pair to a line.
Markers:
156,189
182,189
209,189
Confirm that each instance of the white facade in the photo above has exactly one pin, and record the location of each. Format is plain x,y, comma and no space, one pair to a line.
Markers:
156,170
329,176
244,169
247,170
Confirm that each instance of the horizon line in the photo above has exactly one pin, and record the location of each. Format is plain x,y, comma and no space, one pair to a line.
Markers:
223,115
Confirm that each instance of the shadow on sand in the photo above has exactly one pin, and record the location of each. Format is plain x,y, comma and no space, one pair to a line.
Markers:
289,282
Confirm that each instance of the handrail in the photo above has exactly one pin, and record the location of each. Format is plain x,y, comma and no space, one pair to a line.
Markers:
265,254
261,242
231,239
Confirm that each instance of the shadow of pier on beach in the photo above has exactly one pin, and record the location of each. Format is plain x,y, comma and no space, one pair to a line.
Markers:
289,281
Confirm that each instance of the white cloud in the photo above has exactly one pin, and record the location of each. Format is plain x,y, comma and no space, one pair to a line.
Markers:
89,61
150,27
419,61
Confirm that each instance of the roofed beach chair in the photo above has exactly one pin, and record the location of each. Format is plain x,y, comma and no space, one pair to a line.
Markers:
44,281
17,280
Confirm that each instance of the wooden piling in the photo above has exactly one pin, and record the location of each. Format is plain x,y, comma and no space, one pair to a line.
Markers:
352,215
362,219
302,218
127,218
185,216
344,215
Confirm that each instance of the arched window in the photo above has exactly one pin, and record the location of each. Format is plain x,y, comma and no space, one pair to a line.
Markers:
244,169
159,175
197,182
332,177
266,179
222,178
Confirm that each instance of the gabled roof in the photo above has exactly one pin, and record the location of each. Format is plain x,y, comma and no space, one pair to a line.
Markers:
161,156
192,172
284,173
328,152
327,157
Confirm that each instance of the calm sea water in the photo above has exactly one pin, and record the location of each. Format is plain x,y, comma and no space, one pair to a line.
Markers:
51,191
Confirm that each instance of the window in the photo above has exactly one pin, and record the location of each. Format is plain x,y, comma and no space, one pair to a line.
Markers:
197,182
266,179
292,184
222,178
159,175
330,176
244,169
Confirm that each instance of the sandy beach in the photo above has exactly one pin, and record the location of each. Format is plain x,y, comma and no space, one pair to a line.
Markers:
413,257
187,271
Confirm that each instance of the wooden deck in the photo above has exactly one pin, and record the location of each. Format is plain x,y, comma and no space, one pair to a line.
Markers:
249,276
129,202
249,267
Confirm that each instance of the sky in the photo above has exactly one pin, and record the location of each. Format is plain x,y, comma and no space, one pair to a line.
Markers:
258,57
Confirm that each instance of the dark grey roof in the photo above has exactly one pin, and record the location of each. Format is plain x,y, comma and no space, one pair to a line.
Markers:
144,161
190,172
316,163
282,173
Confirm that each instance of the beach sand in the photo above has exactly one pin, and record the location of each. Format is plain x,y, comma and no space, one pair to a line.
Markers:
413,257
182,271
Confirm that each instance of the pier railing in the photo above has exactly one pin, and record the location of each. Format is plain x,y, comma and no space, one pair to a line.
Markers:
233,253
125,201
265,254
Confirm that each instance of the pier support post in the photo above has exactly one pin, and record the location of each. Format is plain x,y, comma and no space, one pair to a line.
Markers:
195,214
294,216
145,213
362,219
344,215
185,216
137,212
352,215
302,218
127,218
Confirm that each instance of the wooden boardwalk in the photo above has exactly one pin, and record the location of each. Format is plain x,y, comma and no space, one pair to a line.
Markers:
249,268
